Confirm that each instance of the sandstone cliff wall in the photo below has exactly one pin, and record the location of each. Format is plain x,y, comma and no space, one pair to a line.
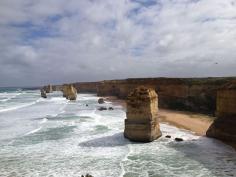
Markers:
224,127
197,95
86,87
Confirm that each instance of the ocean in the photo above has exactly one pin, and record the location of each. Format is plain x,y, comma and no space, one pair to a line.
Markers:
55,137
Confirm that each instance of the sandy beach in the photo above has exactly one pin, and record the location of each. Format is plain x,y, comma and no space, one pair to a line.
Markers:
195,122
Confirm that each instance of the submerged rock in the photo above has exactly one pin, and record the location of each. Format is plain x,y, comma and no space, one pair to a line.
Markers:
69,91
110,108
101,101
179,139
87,175
102,108
142,122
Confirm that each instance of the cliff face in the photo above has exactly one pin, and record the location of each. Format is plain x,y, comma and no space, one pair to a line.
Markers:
142,123
198,95
224,127
86,87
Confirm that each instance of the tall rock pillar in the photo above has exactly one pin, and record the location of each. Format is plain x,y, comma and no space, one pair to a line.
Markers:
69,91
48,89
142,122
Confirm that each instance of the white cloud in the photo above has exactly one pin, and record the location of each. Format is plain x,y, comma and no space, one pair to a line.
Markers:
85,40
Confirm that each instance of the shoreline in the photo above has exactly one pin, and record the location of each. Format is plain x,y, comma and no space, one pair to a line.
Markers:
197,123
194,122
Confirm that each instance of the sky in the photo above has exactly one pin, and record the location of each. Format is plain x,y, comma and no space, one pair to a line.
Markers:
61,41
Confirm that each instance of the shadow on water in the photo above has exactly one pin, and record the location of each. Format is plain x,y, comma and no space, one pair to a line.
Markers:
117,139
47,135
215,156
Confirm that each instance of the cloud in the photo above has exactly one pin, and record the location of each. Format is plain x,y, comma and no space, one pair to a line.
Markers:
69,40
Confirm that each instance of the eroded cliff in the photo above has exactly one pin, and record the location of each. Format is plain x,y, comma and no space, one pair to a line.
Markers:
198,95
224,127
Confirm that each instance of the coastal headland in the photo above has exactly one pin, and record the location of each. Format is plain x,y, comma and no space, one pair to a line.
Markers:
189,103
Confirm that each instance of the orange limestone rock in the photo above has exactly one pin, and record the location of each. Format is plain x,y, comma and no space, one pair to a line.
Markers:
142,122
69,92
224,127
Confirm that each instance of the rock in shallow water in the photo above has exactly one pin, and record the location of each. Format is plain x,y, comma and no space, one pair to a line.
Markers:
43,93
110,108
101,101
87,175
102,108
179,139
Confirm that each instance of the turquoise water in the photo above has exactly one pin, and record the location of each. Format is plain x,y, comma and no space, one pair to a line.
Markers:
56,137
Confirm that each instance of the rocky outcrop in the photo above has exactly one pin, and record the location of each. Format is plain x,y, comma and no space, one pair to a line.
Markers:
43,93
101,101
69,92
224,127
142,122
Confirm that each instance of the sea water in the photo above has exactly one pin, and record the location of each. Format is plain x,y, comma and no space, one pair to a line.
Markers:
61,138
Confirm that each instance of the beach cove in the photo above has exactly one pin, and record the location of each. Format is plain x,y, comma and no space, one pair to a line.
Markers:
57,137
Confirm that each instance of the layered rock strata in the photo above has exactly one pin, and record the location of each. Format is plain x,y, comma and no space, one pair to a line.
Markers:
69,92
142,123
224,127
191,94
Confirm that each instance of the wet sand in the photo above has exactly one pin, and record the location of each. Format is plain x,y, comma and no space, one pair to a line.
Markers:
197,123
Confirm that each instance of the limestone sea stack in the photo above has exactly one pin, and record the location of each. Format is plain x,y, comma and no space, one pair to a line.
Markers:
142,123
224,127
69,91
48,89
43,93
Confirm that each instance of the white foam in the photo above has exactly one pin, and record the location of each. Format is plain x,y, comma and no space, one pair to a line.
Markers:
177,132
4,100
18,107
123,160
8,96
33,131
43,121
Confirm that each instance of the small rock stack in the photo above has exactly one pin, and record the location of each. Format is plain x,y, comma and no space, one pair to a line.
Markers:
69,91
43,93
48,89
142,123
224,127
